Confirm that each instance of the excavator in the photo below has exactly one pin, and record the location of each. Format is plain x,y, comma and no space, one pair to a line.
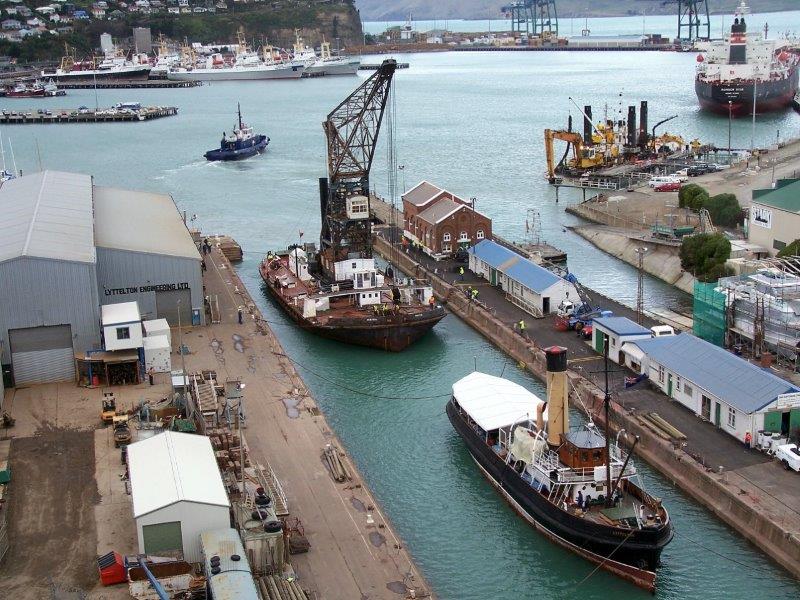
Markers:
583,157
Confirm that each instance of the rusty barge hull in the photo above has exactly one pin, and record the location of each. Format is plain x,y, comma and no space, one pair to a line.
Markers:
393,333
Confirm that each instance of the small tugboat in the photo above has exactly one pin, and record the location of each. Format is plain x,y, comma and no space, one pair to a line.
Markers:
572,485
242,143
338,292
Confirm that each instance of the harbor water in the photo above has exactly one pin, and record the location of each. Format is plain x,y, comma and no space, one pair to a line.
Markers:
472,123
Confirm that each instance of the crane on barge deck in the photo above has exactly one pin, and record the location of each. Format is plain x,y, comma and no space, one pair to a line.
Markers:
352,131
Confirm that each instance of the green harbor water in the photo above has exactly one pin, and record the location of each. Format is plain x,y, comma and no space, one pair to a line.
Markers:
472,123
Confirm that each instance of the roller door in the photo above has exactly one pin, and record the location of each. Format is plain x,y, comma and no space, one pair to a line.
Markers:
42,354
163,538
167,306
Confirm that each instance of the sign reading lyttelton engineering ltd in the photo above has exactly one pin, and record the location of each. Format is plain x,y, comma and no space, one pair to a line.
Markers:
791,400
141,289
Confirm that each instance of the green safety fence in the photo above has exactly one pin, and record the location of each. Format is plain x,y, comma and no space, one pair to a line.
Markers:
709,313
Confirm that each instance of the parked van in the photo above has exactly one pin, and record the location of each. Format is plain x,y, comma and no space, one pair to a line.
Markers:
662,179
661,331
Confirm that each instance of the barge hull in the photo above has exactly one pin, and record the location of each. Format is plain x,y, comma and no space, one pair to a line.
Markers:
770,95
384,334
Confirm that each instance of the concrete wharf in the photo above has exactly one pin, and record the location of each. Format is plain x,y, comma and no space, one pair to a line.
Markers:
72,115
123,84
354,551
746,489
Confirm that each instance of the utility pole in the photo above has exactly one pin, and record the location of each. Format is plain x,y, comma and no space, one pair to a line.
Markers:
730,121
183,358
640,252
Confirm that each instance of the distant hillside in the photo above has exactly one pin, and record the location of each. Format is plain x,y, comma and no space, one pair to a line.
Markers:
274,22
397,10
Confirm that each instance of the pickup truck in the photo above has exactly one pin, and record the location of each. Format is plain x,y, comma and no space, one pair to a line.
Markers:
789,456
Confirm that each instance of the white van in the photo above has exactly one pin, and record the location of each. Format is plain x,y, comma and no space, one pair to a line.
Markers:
656,181
661,331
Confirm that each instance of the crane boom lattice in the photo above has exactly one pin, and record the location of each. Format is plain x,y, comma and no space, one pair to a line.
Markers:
352,131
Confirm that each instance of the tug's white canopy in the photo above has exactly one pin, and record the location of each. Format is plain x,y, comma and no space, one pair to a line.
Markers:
493,402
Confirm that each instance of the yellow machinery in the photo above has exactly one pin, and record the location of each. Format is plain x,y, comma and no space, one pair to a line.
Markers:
583,157
109,408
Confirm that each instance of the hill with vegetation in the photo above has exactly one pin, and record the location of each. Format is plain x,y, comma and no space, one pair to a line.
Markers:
274,22
398,10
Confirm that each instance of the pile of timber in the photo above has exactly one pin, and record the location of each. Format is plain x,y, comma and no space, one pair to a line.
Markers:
337,466
274,587
660,427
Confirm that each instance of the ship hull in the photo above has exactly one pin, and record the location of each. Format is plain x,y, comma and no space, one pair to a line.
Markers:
632,556
289,72
127,74
334,68
770,95
390,332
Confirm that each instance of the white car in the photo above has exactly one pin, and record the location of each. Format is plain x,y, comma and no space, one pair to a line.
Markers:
789,456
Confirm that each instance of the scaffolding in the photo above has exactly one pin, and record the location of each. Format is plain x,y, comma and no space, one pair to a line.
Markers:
710,322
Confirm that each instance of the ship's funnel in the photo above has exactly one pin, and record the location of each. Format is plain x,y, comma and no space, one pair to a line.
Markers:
631,126
643,125
587,125
557,394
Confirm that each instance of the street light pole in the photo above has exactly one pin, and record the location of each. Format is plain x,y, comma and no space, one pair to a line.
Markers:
730,121
183,358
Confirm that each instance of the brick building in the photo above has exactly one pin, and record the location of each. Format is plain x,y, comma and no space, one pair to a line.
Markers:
441,221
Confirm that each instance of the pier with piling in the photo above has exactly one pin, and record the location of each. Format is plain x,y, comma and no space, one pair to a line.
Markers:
74,115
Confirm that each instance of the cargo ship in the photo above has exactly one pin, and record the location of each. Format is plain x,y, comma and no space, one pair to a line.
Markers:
338,291
745,71
113,65
574,485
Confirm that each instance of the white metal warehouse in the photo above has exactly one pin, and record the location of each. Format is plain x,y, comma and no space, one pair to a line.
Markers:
177,493
66,248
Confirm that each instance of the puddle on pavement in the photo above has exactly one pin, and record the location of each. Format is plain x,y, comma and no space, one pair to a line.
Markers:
238,342
398,587
358,505
291,407
378,540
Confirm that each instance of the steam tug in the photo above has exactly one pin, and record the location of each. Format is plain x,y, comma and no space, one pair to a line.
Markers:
744,71
339,292
572,484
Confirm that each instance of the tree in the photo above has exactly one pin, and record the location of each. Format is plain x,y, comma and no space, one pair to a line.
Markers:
687,194
724,210
704,255
792,249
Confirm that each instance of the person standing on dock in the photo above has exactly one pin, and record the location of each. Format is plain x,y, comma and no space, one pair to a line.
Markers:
522,327
461,272
748,440
151,372
474,294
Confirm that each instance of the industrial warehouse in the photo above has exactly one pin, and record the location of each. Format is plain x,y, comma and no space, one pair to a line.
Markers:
70,247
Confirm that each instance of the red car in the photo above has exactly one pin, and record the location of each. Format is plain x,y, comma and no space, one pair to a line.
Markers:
673,186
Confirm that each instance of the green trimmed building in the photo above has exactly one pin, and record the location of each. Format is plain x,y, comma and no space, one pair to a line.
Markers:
775,215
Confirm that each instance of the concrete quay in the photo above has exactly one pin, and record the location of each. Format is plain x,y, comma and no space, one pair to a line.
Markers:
746,489
355,554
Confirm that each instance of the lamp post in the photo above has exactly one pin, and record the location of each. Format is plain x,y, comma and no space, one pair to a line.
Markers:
730,121
183,358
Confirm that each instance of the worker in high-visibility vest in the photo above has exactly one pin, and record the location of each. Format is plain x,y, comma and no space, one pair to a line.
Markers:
461,272
522,327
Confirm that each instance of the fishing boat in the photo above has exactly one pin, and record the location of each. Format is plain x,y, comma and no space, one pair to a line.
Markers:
338,291
572,484
113,65
242,143
34,89
326,63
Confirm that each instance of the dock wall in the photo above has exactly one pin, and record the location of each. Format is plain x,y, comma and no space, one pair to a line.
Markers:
717,492
661,261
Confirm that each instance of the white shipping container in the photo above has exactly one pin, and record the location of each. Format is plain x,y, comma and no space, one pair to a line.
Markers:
157,354
156,327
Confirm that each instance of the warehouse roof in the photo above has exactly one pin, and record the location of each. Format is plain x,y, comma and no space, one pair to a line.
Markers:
621,326
140,222
421,193
173,467
47,215
520,269
728,377
785,196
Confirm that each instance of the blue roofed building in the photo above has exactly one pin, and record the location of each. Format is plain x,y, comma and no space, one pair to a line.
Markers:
617,330
528,285
732,393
